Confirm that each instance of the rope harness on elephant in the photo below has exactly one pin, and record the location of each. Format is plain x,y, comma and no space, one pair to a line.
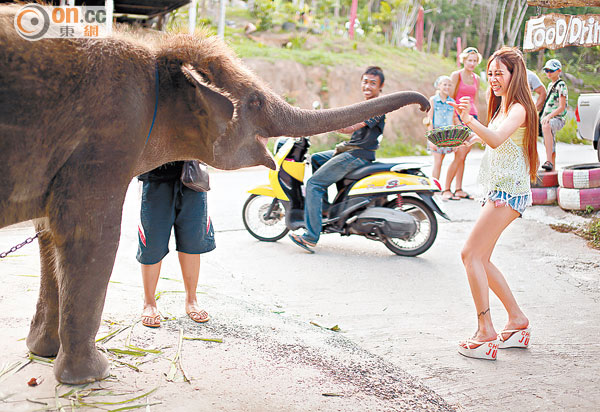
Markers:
19,246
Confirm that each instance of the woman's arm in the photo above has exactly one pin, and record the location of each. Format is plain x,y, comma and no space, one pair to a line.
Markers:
476,99
493,138
454,78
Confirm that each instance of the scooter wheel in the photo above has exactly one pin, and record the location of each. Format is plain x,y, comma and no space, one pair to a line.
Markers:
427,228
269,228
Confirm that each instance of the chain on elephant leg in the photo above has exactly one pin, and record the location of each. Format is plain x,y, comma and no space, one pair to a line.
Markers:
43,332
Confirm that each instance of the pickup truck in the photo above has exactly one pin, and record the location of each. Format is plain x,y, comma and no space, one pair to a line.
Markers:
588,118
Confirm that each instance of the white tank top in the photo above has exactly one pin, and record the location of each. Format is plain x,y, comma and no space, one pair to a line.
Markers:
505,168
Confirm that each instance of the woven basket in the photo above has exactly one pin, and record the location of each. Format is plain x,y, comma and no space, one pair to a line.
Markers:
448,136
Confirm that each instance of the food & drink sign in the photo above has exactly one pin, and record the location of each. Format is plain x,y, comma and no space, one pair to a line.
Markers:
553,31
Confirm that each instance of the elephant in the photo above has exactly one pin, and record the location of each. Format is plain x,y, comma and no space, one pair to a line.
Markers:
80,118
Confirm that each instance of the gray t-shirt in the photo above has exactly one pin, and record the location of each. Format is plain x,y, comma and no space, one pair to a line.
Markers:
533,80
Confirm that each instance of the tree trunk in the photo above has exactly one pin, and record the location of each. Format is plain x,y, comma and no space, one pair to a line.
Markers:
501,31
430,36
516,26
491,22
442,41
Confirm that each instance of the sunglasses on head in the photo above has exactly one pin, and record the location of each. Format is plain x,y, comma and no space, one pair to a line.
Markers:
549,71
470,50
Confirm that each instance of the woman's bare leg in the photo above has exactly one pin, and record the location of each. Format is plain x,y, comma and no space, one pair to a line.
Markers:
460,157
476,255
499,285
438,158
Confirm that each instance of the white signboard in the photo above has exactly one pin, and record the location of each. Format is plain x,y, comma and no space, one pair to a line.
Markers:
553,31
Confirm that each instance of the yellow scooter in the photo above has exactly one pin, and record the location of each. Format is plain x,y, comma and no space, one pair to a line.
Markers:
389,202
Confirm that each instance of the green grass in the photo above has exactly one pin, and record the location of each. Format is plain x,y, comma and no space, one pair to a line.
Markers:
568,134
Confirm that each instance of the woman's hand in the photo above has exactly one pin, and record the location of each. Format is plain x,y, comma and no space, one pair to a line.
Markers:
473,138
463,107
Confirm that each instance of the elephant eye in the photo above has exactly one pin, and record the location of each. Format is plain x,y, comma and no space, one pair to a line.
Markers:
255,101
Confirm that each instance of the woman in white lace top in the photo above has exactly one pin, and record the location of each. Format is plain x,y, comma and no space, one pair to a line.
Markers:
508,166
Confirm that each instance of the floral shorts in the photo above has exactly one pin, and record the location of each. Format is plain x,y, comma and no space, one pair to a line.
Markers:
516,202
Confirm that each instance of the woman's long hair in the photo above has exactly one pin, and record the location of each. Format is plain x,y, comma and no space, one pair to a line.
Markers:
518,92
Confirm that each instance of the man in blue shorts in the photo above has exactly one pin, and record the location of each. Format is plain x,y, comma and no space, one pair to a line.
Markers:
167,204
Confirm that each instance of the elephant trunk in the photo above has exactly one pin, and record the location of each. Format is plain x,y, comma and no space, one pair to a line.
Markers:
294,122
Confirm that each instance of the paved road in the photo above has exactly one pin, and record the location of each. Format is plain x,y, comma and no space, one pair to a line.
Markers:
413,311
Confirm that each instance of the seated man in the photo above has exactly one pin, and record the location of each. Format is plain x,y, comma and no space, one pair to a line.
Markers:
331,166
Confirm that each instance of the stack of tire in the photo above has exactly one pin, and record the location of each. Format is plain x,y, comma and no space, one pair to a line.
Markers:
579,187
544,190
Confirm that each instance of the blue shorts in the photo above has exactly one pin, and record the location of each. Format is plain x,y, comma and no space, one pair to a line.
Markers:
167,205
515,202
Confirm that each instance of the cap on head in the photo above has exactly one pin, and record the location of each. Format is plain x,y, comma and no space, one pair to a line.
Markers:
470,50
552,65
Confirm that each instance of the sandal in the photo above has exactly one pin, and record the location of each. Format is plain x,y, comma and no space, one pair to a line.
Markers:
450,197
472,348
199,317
517,338
548,166
466,196
303,243
151,321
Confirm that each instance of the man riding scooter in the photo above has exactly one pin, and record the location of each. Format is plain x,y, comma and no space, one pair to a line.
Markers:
332,165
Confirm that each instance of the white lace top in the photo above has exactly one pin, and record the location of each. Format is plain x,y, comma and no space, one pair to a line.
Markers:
505,168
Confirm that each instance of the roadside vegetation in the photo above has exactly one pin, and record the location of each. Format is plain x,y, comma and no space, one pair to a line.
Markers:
316,34
589,231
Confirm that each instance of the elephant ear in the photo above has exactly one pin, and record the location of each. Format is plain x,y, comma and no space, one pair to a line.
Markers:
219,107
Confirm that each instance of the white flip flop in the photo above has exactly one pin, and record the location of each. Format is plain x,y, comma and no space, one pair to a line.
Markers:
482,350
519,338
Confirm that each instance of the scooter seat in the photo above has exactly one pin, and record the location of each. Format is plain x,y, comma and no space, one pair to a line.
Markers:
364,171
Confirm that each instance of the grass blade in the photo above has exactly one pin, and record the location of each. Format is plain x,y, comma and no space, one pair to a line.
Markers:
173,368
218,340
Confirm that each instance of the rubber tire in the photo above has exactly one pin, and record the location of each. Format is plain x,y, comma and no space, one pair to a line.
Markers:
257,236
432,235
546,179
578,199
581,176
543,195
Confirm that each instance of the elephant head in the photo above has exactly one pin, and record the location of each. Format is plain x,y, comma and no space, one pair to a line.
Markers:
247,112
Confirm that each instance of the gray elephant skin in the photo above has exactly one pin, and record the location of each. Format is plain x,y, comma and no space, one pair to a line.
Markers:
74,121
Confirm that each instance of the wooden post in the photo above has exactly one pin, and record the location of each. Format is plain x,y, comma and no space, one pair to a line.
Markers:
419,31
352,19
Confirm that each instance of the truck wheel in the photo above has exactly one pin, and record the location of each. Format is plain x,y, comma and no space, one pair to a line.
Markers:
543,195
546,179
578,199
582,176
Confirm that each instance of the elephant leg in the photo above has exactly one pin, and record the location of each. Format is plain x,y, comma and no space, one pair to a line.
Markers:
85,258
43,332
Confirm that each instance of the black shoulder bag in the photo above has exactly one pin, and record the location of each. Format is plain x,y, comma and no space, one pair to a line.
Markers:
194,175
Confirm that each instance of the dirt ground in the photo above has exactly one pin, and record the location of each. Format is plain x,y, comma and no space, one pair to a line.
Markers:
270,345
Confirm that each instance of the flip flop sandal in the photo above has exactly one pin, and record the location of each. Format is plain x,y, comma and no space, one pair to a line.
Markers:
548,166
304,244
199,317
451,197
518,338
472,348
151,321
467,196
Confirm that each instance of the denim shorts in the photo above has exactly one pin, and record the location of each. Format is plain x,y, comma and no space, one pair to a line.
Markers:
167,205
516,202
